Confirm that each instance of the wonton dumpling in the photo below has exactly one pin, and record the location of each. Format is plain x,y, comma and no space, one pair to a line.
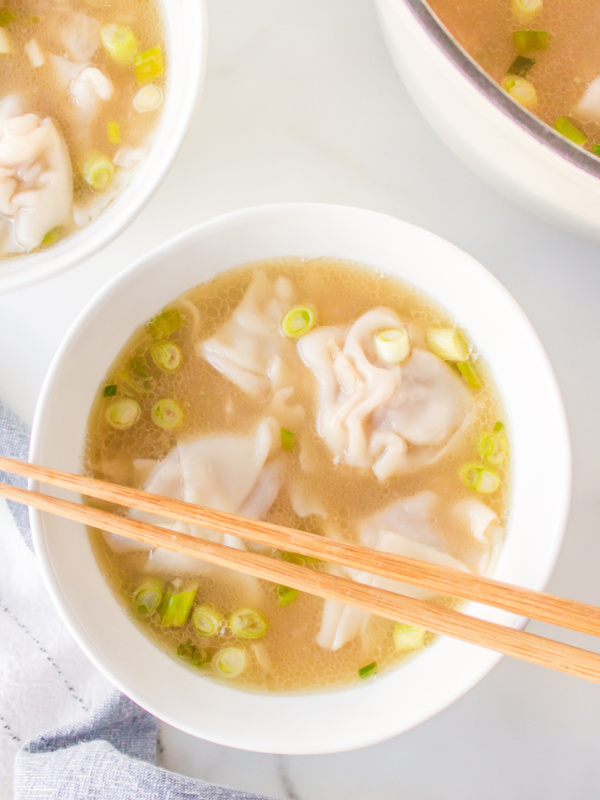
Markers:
36,186
388,418
406,529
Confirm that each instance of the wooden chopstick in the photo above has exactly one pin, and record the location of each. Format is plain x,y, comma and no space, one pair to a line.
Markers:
526,602
509,641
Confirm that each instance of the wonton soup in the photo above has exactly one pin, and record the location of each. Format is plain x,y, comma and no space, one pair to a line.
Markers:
543,53
319,395
82,91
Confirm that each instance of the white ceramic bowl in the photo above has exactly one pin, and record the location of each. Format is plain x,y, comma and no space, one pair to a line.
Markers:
500,140
185,27
364,714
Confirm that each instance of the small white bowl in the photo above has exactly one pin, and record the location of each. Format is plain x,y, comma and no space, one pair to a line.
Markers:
185,29
497,138
328,721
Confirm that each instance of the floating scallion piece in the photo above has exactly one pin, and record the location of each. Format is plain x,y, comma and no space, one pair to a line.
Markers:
528,41
467,370
207,621
165,323
493,448
175,608
7,16
122,413
110,390
148,98
166,355
138,366
447,343
147,597
498,426
248,624
569,131
392,346
298,321
113,132
167,414
521,90
368,670
189,652
97,170
148,65
287,439
229,662
524,10
119,43
285,595
407,637
54,235
521,66
298,558
596,149
479,478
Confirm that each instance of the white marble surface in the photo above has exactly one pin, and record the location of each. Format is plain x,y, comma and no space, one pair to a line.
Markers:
302,103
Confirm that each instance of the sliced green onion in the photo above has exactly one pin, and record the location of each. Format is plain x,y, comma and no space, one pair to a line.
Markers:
165,323
298,321
285,595
569,131
148,98
129,383
248,624
122,413
407,637
447,343
479,478
119,42
110,390
596,149
526,9
521,66
147,596
207,621
493,448
467,370
529,41
392,346
113,132
138,366
189,652
7,16
229,662
176,607
53,235
298,558
148,65
287,439
368,670
167,414
97,170
521,90
166,355
498,426
6,46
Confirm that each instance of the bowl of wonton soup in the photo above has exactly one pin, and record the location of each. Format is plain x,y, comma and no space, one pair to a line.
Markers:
356,715
123,81
540,149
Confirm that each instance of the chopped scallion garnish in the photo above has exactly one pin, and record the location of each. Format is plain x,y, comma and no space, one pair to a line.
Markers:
447,343
149,98
521,66
122,413
175,608
298,321
189,652
113,132
147,596
285,595
229,662
167,414
521,90
467,370
407,637
7,16
569,131
110,390
526,9
53,235
97,170
493,448
248,624
596,149
148,65
165,323
368,670
529,41
119,42
479,478
207,621
166,355
392,346
498,426
287,439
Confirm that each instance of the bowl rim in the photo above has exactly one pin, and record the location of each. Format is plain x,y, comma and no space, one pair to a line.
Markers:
480,663
113,220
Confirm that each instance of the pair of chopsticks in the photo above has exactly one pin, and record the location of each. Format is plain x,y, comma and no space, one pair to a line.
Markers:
436,619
